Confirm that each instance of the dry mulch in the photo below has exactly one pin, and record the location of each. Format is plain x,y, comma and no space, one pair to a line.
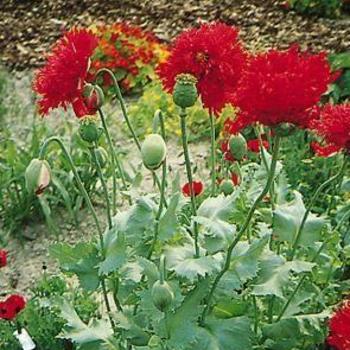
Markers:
29,27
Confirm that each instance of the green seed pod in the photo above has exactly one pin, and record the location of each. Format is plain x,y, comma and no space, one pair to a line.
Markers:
238,146
88,130
102,156
37,176
162,295
185,92
227,187
153,151
284,129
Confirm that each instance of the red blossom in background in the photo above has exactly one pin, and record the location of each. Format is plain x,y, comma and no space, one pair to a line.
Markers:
339,327
12,306
333,124
254,145
214,55
282,86
3,258
61,81
323,151
197,188
235,179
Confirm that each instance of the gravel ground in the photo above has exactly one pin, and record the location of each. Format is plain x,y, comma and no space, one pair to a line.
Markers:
29,27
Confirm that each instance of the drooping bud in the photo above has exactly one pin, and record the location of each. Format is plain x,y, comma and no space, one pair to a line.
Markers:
153,151
238,146
185,92
93,97
37,176
227,187
162,295
88,130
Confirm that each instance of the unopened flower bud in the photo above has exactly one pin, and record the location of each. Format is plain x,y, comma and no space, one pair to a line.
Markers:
93,97
37,176
162,295
153,151
88,130
185,92
238,146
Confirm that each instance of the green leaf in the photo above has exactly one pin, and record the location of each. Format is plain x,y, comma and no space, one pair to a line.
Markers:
115,251
275,272
287,219
168,222
97,332
181,260
81,259
340,60
232,334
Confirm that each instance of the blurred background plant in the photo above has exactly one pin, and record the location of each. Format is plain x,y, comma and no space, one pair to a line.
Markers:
329,8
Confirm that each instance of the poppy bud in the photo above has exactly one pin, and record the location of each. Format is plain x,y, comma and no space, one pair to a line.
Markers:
153,151
185,92
162,295
88,130
93,97
227,187
238,146
37,176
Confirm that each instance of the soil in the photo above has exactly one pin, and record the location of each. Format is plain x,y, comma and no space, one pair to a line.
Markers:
29,27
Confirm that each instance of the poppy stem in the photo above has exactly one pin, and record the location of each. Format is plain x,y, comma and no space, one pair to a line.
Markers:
320,189
183,115
87,199
270,179
212,153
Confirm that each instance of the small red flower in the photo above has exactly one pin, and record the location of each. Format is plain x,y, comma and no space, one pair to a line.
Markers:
229,157
254,145
282,86
61,81
339,327
197,188
214,55
3,258
333,124
323,151
12,306
235,179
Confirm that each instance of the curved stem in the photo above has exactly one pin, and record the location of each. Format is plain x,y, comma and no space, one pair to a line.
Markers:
189,177
87,199
212,153
244,226
122,104
115,161
308,210
103,183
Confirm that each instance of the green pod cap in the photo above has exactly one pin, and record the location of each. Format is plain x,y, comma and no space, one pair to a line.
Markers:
238,146
153,151
185,92
37,176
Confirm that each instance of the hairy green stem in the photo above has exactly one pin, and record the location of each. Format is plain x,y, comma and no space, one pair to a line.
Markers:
320,189
212,153
183,115
244,227
87,199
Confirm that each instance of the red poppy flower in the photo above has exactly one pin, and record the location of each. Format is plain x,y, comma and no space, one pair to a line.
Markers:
339,327
323,151
333,124
3,258
254,145
12,306
197,188
282,86
235,179
214,55
61,81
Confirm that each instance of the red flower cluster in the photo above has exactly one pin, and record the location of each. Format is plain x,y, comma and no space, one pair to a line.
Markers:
211,53
126,49
197,187
282,86
3,258
323,151
333,125
12,306
61,81
254,145
339,326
